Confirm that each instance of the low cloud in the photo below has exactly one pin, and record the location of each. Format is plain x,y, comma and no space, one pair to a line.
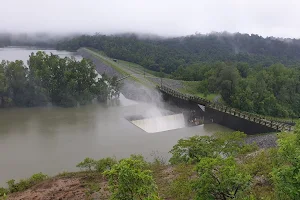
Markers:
167,18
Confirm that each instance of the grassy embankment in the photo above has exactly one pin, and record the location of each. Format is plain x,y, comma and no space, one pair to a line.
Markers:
119,66
191,87
143,75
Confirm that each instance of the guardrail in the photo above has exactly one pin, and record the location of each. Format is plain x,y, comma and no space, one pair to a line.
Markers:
274,124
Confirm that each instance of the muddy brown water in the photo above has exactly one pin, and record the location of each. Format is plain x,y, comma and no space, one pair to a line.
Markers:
53,140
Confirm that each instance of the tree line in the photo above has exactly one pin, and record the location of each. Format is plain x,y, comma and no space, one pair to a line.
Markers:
51,79
171,53
271,91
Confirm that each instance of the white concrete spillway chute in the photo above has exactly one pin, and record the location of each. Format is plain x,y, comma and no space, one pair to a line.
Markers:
161,123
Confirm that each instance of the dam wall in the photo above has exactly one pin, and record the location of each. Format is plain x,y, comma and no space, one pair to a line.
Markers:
211,115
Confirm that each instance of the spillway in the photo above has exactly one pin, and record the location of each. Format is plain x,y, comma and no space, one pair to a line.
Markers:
161,123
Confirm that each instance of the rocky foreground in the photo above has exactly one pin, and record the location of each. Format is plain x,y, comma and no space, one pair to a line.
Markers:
263,140
85,185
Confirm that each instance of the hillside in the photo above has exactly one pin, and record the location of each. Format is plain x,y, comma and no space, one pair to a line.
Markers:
252,73
170,53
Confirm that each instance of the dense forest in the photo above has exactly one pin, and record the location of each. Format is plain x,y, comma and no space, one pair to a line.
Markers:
251,73
171,53
51,79
271,91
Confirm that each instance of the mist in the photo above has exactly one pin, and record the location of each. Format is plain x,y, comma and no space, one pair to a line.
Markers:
165,18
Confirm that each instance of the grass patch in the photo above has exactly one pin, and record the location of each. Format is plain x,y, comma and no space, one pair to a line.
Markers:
115,65
106,60
191,87
140,69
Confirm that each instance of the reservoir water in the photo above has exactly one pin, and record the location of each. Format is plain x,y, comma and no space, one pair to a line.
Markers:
53,140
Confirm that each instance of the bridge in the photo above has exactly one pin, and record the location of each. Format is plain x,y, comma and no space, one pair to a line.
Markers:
274,124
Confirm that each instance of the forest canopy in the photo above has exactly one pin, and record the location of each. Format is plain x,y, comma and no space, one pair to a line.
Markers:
271,91
51,79
171,53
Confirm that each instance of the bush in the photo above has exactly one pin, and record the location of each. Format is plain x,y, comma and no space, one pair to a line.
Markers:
181,186
88,164
191,150
24,184
220,179
129,179
286,175
105,164
195,148
3,191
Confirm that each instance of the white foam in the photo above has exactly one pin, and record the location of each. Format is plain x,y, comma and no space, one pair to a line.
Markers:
161,123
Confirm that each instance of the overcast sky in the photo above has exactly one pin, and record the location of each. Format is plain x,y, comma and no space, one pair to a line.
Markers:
280,18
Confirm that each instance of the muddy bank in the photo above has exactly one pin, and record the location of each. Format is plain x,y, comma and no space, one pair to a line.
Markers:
75,186
87,185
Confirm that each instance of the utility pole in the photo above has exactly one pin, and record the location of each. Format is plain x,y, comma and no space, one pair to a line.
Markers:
144,72
160,76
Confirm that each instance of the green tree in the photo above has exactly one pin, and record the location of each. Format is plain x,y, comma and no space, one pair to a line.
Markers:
228,80
15,74
130,179
287,175
49,78
105,164
220,179
195,148
87,164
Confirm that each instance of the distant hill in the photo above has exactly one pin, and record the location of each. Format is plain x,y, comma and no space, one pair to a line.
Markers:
170,53
43,40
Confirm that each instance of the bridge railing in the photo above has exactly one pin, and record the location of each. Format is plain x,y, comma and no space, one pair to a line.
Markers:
270,122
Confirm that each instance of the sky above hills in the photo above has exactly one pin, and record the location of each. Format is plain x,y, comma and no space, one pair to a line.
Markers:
279,18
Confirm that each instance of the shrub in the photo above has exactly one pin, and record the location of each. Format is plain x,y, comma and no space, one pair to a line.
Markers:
181,186
286,175
3,191
105,164
193,149
24,184
88,164
220,179
129,179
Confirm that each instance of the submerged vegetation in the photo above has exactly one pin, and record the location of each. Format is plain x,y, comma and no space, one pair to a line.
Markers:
219,167
51,79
